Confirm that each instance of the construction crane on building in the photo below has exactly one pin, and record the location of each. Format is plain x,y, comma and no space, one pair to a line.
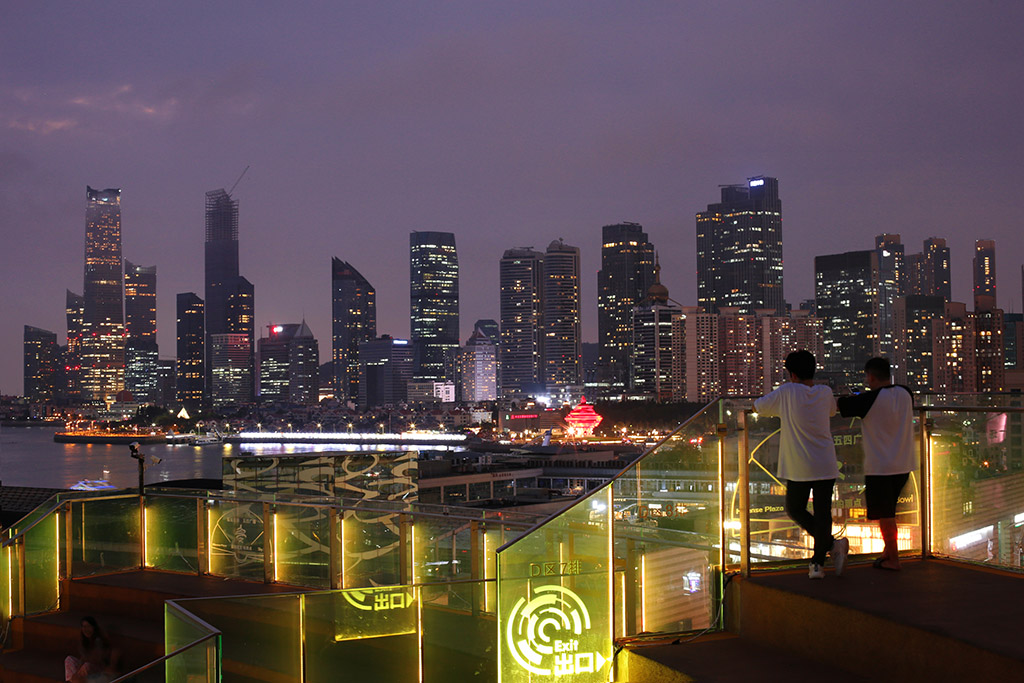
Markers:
238,181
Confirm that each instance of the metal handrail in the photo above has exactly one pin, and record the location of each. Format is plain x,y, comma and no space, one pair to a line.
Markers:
21,533
162,660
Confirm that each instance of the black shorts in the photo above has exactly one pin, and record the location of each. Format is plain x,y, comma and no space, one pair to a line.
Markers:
881,491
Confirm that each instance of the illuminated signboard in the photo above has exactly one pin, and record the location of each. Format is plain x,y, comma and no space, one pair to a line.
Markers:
523,416
757,182
555,599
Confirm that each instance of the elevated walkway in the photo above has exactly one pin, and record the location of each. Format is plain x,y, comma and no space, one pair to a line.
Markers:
933,621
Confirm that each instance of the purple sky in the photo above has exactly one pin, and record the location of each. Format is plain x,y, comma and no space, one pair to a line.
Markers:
509,124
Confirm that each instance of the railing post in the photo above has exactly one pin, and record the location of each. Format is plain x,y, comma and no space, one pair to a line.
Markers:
723,430
269,545
925,451
202,537
68,545
744,486
21,575
142,528
335,548
405,558
475,550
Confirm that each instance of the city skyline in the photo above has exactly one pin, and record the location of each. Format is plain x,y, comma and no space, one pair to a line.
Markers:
546,129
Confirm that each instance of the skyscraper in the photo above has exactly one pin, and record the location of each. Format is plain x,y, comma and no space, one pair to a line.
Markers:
190,383
289,362
232,376
354,321
984,273
521,276
141,351
739,249
434,301
561,295
476,369
651,344
929,271
955,367
918,318
74,311
846,298
229,298
41,363
891,285
385,368
627,272
102,349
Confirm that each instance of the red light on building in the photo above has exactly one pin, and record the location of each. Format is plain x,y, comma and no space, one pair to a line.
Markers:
582,420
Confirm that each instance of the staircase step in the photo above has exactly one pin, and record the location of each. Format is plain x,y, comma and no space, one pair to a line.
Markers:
28,666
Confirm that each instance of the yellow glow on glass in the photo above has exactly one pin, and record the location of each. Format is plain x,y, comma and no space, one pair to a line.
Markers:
341,529
145,537
412,553
302,628
56,519
611,578
931,496
643,593
418,596
10,586
275,546
622,593
209,540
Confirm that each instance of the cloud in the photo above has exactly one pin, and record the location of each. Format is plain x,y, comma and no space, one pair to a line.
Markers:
42,126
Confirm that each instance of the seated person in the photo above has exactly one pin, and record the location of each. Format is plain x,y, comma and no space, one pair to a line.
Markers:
96,661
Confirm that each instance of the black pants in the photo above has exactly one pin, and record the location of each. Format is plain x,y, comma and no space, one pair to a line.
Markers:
818,525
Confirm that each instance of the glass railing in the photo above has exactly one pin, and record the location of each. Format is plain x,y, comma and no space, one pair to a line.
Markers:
407,591
641,554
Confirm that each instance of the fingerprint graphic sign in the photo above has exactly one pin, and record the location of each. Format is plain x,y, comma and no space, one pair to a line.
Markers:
547,634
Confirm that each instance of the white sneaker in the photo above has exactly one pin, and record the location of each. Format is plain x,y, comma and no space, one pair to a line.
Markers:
815,571
840,551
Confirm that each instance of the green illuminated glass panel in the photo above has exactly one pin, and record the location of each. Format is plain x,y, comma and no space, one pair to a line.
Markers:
459,642
555,597
7,559
236,532
172,534
42,588
261,635
977,499
372,553
302,554
105,535
666,517
368,634
197,663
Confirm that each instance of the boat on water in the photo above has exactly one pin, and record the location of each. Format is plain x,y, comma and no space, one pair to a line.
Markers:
194,439
93,485
104,437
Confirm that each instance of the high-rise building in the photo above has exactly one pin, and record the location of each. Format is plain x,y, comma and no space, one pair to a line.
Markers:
229,296
42,365
354,321
955,367
988,345
289,361
699,365
1013,341
490,329
892,277
984,273
74,311
141,351
915,340
561,295
846,299
232,377
929,271
521,276
739,249
476,369
627,272
385,369
434,301
739,344
190,380
102,348
651,344
166,383
783,334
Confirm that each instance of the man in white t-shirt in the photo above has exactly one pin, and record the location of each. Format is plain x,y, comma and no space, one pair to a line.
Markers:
807,456
887,432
